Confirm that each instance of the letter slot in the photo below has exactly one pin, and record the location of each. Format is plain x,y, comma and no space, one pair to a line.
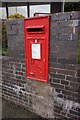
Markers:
35,29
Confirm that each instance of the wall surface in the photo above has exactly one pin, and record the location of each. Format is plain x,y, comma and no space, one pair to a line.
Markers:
59,98
63,67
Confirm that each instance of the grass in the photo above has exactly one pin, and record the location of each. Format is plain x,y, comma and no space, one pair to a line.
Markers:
3,51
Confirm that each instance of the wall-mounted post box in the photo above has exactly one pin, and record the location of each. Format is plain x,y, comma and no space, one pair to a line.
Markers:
36,40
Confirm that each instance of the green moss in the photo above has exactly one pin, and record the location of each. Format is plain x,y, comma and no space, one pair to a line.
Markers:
78,52
4,51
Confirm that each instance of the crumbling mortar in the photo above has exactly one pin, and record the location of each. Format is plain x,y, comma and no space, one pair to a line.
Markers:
66,105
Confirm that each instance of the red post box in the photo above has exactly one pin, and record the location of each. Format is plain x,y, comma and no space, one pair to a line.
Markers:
36,39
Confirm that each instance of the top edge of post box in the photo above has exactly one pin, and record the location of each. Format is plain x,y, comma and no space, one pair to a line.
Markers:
37,17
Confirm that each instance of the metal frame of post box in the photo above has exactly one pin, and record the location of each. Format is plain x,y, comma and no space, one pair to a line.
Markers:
26,49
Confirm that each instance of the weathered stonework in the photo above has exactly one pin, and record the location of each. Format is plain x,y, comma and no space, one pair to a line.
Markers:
59,98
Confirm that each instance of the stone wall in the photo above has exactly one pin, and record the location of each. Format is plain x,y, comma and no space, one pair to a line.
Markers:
59,98
63,68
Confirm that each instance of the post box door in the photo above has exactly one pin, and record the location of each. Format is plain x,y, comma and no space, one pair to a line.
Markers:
37,59
36,49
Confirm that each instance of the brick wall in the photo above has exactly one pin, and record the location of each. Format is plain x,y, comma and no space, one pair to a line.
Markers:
63,67
60,96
